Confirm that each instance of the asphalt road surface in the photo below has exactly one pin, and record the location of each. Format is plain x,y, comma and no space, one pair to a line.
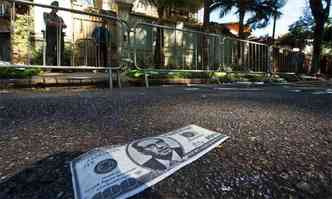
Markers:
280,142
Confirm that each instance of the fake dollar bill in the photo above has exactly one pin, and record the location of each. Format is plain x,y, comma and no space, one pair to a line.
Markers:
123,171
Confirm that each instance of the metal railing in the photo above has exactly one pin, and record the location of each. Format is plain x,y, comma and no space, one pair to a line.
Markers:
82,46
206,51
243,55
249,56
182,49
152,46
285,60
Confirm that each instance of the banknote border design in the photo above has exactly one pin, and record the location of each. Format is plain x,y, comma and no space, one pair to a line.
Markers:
77,190
171,171
217,141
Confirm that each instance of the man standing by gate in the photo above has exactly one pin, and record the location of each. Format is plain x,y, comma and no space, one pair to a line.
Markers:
102,37
54,36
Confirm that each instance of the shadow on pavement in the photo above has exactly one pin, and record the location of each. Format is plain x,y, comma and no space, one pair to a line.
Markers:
46,178
49,178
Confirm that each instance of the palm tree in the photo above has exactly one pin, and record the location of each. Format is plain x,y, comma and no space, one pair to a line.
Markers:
242,8
260,14
271,9
260,10
320,14
276,15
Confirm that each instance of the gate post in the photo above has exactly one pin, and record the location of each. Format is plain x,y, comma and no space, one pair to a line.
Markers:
110,78
270,59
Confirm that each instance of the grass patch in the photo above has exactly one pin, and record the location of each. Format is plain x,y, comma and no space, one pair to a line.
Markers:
235,77
213,77
155,74
18,73
288,77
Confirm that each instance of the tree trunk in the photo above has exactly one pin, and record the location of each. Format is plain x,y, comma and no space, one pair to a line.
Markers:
241,23
320,15
159,49
241,36
274,28
206,18
318,34
206,21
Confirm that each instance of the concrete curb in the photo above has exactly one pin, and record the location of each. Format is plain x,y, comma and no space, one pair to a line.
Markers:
54,79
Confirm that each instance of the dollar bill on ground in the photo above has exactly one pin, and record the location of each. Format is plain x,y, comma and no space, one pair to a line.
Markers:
125,170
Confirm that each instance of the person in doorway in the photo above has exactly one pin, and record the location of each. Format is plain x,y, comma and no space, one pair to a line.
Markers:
54,36
102,37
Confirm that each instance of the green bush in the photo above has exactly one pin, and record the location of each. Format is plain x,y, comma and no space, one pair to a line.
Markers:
21,38
135,74
155,74
256,77
214,76
18,73
37,56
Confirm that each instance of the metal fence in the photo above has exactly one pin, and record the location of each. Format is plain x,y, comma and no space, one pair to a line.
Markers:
285,60
249,56
187,49
180,49
149,45
243,55
93,41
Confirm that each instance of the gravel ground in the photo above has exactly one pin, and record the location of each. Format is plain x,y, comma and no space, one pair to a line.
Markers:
280,142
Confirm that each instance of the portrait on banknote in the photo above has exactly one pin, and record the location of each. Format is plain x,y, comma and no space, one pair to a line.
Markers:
156,153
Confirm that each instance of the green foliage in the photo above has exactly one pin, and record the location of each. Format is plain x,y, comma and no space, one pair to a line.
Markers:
261,10
67,54
164,74
21,38
265,11
219,74
18,73
216,76
37,56
327,39
287,77
135,74
234,77
302,31
320,9
192,5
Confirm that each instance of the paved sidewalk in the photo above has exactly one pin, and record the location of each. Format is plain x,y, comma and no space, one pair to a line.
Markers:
86,78
52,78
